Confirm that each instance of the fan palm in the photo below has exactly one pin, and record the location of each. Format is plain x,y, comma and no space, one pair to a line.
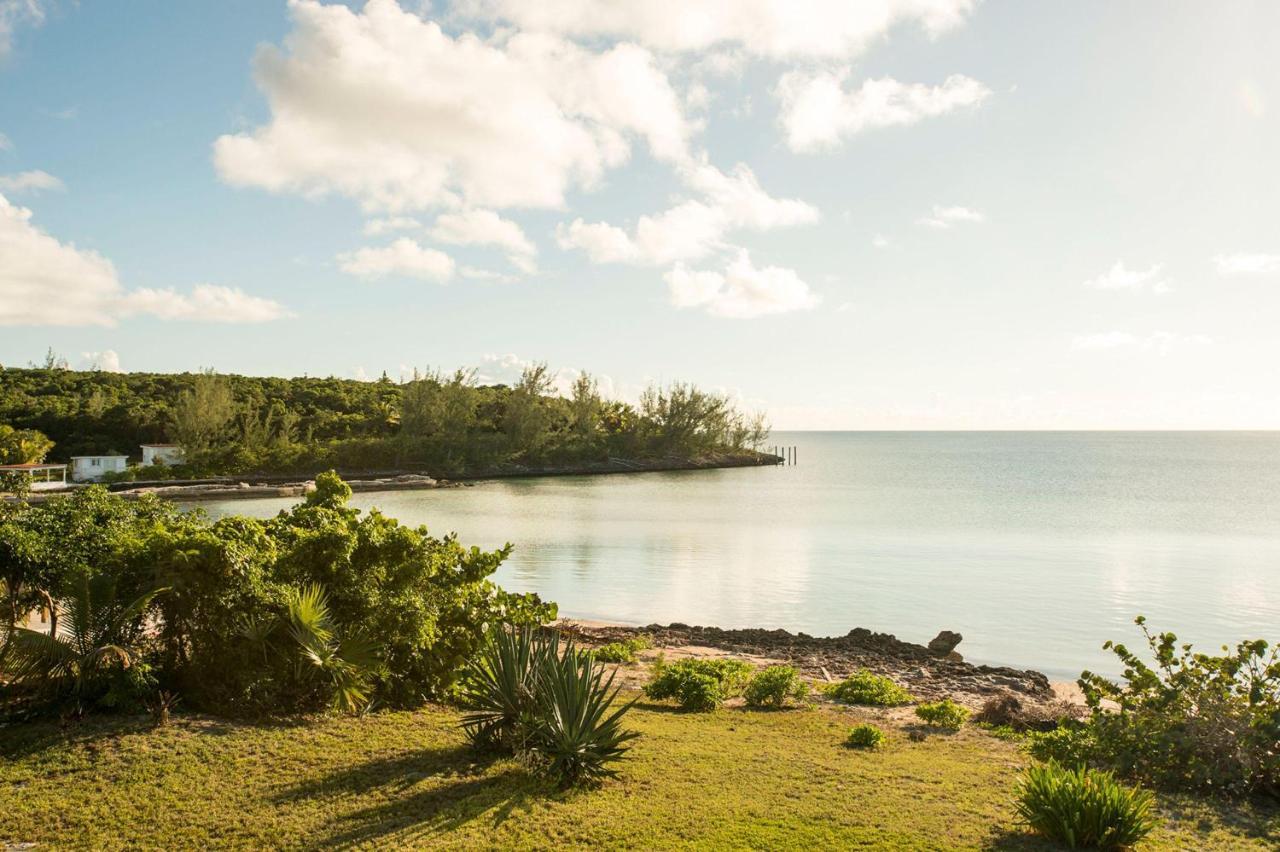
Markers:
349,663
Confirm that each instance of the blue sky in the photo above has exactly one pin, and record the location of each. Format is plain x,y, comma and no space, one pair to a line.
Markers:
908,214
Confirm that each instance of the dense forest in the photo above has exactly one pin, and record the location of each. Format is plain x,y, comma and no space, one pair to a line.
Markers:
445,423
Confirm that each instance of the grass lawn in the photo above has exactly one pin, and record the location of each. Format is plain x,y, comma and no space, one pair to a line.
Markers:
732,779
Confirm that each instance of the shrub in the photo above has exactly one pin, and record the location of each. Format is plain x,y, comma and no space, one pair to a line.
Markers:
864,736
698,684
1083,808
773,685
943,714
500,688
1069,745
863,687
621,652
1193,720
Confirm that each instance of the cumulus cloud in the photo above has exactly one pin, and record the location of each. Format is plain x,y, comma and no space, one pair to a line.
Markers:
1120,277
15,13
694,228
47,282
485,227
818,111
106,361
31,181
1247,264
386,108
378,227
404,257
945,217
741,290
1161,342
777,29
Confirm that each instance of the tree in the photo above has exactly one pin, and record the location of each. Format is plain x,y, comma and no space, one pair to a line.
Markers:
527,421
22,446
585,406
202,413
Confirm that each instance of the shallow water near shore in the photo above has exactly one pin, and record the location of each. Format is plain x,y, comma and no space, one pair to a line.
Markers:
1037,547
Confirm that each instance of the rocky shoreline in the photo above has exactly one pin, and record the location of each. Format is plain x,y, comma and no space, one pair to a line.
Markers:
929,674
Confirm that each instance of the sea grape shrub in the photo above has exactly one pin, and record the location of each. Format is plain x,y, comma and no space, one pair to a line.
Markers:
1083,808
944,714
698,685
622,652
773,686
864,736
1191,720
864,687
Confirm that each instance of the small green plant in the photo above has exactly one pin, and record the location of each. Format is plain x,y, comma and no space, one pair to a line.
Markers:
943,714
698,685
622,652
500,687
864,687
772,686
1083,808
864,736
1069,745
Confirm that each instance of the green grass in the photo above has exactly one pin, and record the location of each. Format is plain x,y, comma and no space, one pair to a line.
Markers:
731,779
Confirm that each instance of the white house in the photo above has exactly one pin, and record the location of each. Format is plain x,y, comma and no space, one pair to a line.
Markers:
161,454
91,468
43,477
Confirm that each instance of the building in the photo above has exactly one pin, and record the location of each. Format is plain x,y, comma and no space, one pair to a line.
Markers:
91,468
43,477
161,454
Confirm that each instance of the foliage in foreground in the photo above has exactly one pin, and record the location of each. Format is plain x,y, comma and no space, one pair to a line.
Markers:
622,652
865,687
773,686
864,736
698,685
1084,808
1193,721
944,714
528,696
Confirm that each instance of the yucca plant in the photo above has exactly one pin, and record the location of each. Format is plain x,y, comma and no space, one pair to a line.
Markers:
1084,808
500,687
349,663
578,730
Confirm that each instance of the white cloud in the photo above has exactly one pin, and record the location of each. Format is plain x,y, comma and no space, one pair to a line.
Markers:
478,274
1251,99
485,227
778,29
1247,264
946,217
818,111
14,13
693,228
378,227
32,181
1161,342
47,282
1120,277
880,241
386,108
505,369
403,257
107,361
741,291
6,144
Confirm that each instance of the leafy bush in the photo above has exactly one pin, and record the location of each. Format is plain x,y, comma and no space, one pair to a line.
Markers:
773,685
1193,721
698,684
864,736
942,714
1083,808
1069,745
622,652
864,687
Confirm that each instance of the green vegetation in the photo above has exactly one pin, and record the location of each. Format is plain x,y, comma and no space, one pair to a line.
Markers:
864,687
1084,808
321,606
944,714
445,423
773,686
864,736
22,446
699,685
622,652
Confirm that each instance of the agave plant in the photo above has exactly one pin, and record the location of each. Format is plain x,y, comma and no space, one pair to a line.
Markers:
579,732
349,663
96,634
501,686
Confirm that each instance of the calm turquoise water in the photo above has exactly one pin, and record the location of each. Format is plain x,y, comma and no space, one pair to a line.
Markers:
1036,546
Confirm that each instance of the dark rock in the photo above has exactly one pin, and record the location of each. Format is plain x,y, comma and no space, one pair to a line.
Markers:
945,642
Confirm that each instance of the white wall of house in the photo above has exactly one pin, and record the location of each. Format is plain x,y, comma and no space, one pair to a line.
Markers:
91,468
162,453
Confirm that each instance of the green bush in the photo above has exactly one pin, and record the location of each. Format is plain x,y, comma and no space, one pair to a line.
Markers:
864,736
943,714
864,687
773,685
697,684
500,688
621,652
1069,745
1083,808
1192,721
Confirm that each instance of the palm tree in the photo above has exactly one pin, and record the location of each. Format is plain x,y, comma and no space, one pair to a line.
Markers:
348,663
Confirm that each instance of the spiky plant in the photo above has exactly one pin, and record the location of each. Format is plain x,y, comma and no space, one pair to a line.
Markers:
1084,808
348,663
500,687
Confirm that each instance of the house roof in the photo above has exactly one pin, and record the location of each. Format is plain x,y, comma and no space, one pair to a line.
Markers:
160,446
31,466
103,456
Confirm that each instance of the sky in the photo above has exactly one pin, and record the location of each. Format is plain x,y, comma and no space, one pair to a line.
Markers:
890,214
